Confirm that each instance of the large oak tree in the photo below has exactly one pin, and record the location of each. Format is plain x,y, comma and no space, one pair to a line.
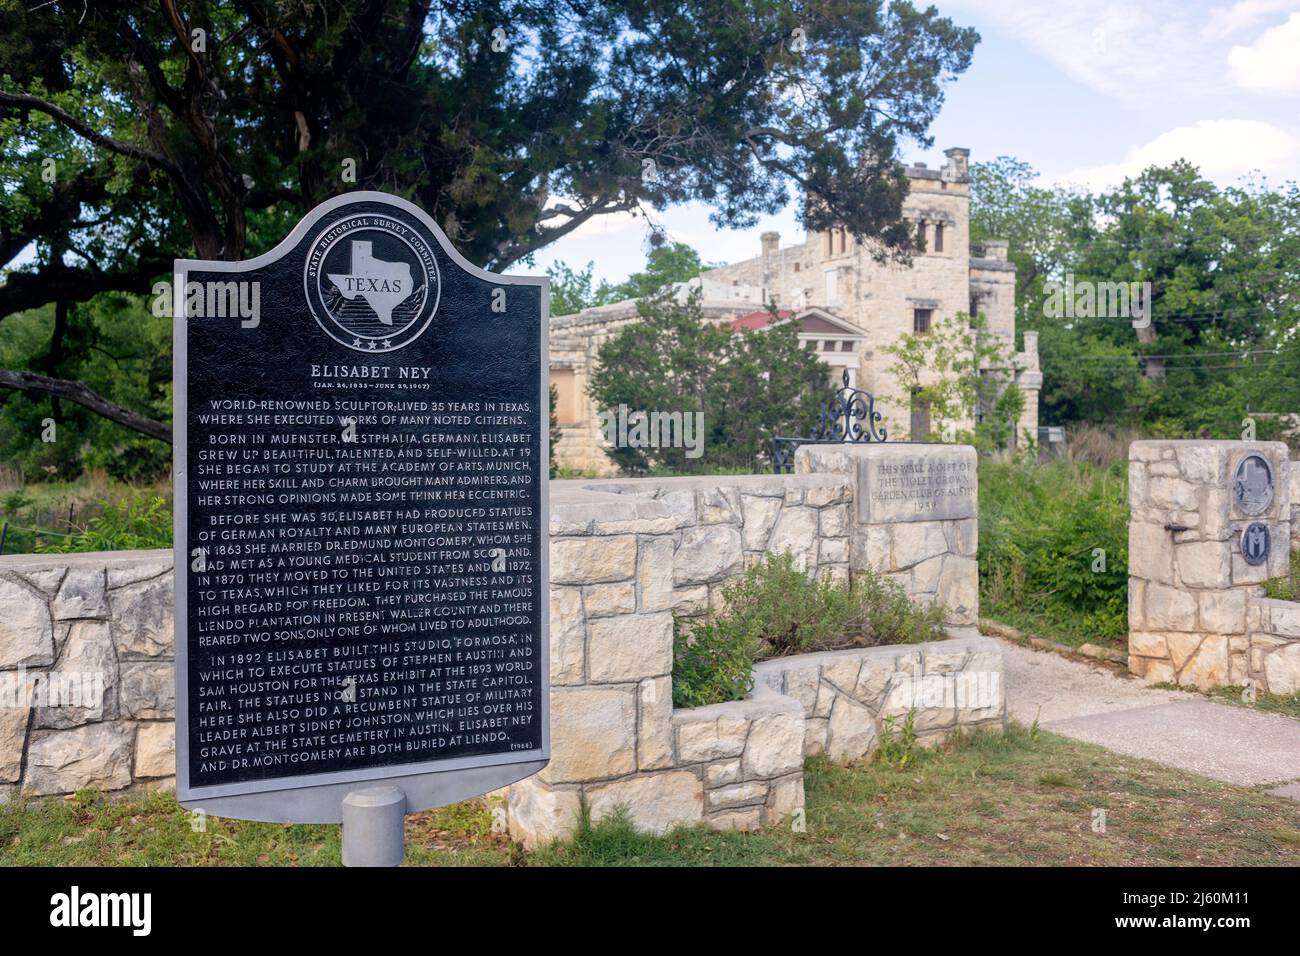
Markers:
135,132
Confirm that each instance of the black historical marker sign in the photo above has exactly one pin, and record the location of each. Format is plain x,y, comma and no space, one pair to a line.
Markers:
361,463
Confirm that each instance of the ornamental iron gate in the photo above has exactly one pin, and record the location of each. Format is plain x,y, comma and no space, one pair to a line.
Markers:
848,416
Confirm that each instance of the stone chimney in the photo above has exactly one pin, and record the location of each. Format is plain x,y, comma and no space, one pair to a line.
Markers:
1031,350
957,168
771,242
996,249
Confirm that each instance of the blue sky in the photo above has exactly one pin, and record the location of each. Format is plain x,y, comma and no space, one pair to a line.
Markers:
1087,92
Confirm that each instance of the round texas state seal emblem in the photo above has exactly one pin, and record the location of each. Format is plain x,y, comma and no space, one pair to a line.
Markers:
372,282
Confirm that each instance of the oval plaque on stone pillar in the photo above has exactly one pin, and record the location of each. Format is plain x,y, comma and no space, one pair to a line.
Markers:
1255,543
1252,484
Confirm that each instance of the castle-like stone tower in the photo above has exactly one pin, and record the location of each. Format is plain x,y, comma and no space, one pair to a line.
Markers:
832,273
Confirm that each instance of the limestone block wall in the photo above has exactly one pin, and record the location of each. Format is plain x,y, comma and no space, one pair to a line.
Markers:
722,525
86,672
848,697
748,757
626,556
669,545
915,517
1188,582
1274,628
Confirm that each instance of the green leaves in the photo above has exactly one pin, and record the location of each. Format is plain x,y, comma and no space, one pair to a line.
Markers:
573,290
774,610
1054,541
712,664
1223,281
512,123
140,521
749,385
958,368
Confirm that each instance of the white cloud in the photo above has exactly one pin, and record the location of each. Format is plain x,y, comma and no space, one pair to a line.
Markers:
1225,21
617,244
606,225
1272,63
1223,150
1114,47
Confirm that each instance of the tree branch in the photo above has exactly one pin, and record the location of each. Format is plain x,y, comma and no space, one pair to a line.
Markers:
27,101
261,198
183,37
63,203
33,384
168,95
31,290
512,252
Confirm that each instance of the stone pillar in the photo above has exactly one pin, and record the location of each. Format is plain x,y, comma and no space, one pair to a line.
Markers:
996,249
771,243
1188,579
956,169
915,517
1030,381
611,659
1295,504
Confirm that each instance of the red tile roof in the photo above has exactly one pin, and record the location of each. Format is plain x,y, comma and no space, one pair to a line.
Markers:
758,320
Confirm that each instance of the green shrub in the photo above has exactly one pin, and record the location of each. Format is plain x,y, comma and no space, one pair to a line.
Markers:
1054,544
712,664
1287,586
774,609
142,521
780,610
886,615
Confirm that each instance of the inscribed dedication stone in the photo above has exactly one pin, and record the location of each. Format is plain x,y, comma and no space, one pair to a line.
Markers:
916,482
361,464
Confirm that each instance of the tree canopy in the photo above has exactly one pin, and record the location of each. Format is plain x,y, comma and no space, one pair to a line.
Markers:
573,290
1221,264
136,132
749,386
511,123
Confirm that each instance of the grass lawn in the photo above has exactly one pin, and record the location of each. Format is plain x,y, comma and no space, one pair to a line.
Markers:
1024,798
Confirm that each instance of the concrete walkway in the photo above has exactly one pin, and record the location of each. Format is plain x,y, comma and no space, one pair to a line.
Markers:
1093,703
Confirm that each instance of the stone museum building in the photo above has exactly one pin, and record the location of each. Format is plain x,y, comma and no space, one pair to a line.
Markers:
848,306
